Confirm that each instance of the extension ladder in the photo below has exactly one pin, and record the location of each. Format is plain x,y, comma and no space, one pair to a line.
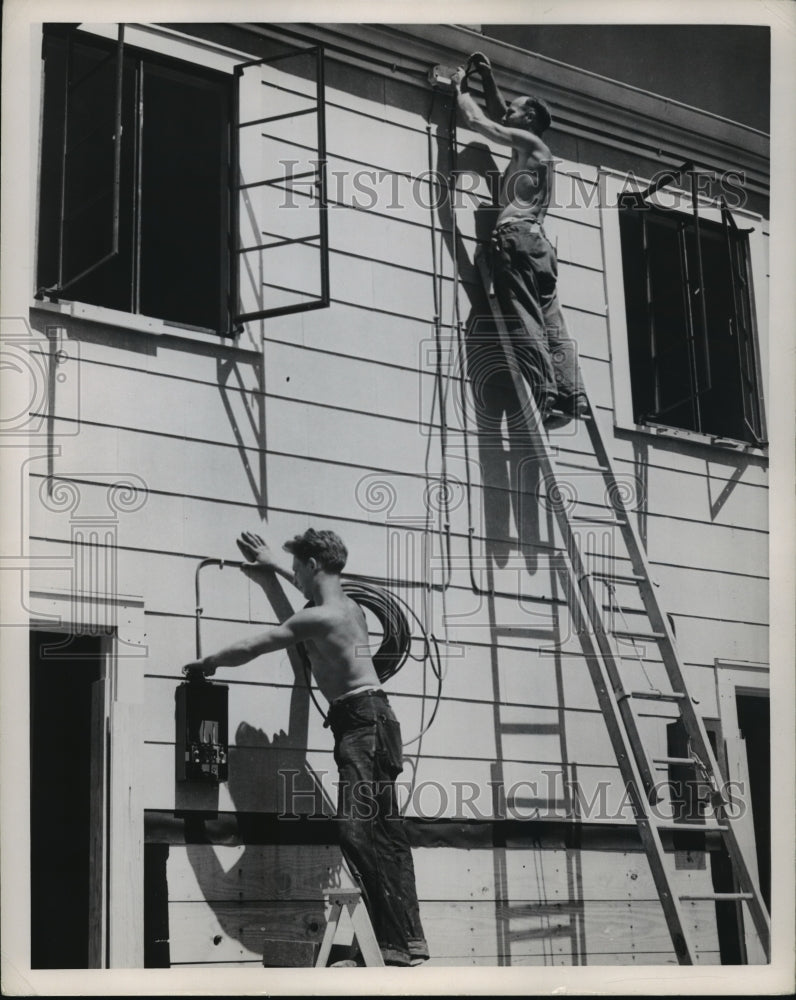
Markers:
599,643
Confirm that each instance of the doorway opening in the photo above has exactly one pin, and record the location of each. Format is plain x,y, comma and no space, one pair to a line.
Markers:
64,670
754,722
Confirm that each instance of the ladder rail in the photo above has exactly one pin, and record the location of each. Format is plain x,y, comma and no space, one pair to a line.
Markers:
628,768
694,725
583,598
582,576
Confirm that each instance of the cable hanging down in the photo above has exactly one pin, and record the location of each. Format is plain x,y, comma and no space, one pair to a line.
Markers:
393,614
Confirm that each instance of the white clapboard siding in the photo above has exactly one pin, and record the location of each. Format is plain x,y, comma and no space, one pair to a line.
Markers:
235,473
333,419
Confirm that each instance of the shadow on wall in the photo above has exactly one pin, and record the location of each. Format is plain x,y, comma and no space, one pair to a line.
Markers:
244,406
508,473
270,890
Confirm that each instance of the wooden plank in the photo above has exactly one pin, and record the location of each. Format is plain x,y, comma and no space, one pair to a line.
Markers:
379,235
391,444
713,546
700,640
390,190
102,343
110,395
126,915
372,141
228,932
261,712
224,932
297,873
98,811
394,340
273,873
343,382
344,492
430,787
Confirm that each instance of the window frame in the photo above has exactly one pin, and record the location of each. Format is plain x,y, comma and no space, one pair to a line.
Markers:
675,199
169,44
734,677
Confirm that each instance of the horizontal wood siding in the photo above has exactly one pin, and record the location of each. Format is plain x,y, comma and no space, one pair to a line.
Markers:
338,422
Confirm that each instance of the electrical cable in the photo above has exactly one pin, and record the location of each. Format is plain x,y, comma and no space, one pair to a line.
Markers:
394,614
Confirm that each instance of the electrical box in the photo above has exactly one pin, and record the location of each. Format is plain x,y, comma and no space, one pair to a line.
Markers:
202,740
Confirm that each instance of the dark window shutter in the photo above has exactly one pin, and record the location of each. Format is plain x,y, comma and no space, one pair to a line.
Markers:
85,211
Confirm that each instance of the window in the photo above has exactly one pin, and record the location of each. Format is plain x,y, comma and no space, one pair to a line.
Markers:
690,314
146,182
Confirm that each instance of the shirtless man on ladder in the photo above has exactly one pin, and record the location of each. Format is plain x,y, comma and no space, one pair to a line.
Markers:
525,269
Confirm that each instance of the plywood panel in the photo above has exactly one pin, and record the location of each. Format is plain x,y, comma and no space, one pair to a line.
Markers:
264,872
230,932
294,873
226,932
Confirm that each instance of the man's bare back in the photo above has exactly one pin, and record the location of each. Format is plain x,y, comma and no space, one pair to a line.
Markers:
339,652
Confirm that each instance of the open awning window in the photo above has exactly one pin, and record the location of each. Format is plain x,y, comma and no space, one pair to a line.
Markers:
179,191
690,317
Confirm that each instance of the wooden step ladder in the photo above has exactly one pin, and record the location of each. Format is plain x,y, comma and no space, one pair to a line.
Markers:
352,901
600,646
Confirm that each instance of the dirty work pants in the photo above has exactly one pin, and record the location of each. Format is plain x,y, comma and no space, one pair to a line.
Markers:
525,275
368,753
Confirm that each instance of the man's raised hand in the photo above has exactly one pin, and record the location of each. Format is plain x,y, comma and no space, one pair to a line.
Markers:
459,79
256,552
478,63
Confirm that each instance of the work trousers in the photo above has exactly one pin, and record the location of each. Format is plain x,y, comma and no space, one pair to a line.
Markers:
373,840
525,276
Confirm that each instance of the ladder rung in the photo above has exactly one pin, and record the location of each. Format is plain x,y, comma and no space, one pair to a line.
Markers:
685,761
719,896
530,728
629,633
654,695
570,416
618,577
603,522
692,827
582,467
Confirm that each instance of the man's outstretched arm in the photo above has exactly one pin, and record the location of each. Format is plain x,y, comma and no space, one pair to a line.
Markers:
305,624
476,119
495,104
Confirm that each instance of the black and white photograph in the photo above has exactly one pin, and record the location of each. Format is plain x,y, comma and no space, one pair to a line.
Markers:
397,487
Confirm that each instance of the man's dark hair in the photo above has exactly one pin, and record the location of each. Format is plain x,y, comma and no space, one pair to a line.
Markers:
542,116
325,547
